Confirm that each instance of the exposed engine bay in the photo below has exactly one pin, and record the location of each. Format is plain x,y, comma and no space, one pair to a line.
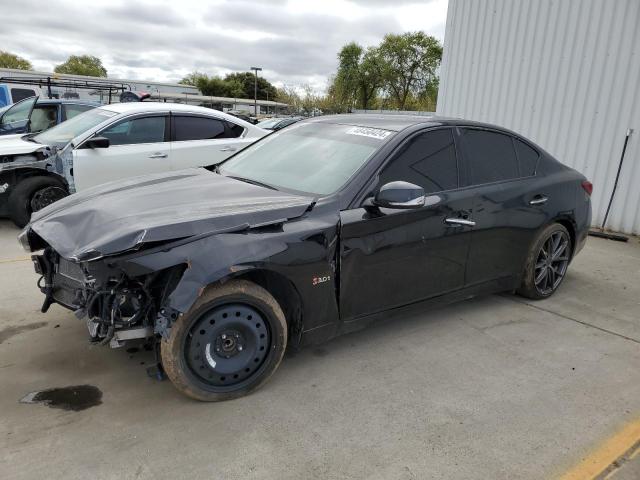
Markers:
50,159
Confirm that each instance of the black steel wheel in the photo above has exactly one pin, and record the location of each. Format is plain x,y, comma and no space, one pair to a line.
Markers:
547,262
228,344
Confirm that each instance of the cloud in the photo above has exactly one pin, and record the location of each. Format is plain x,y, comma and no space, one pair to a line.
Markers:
294,41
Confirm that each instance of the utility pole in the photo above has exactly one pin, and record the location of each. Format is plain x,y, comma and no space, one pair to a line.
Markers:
255,91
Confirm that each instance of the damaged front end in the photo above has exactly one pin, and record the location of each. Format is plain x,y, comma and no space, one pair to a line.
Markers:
131,256
116,305
43,160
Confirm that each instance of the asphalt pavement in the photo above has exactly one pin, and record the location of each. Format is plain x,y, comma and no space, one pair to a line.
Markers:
492,388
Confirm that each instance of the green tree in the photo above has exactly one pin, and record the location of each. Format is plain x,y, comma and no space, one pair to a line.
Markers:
10,60
359,76
266,91
82,65
409,64
290,96
193,78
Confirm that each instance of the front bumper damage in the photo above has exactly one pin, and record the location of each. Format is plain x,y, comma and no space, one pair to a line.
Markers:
116,307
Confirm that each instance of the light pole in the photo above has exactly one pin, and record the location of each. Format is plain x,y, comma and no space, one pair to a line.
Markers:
255,91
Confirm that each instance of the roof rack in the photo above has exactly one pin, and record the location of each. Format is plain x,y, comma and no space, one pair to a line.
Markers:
48,82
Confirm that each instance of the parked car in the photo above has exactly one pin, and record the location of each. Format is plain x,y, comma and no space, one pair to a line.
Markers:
243,116
313,231
14,92
33,115
112,142
274,124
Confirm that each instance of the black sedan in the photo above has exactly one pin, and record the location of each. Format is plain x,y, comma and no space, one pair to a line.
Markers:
313,231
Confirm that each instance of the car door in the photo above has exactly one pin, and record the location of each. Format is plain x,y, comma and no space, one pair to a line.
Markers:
16,118
501,173
391,258
138,145
199,140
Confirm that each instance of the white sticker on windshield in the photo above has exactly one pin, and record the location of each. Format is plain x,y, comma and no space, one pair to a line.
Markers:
369,132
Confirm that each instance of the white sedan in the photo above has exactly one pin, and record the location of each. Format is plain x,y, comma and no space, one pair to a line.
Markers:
109,143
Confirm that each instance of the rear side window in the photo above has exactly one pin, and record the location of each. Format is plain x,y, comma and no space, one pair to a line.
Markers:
234,131
198,128
491,156
428,160
18,94
527,158
135,131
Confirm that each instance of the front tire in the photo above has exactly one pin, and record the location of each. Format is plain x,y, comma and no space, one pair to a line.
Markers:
32,194
228,344
547,263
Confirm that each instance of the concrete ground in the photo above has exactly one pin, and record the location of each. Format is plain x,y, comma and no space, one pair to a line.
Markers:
493,388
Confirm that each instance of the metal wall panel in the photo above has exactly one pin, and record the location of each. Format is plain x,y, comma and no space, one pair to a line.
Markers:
565,74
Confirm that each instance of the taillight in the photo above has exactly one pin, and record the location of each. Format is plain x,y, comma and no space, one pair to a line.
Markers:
587,186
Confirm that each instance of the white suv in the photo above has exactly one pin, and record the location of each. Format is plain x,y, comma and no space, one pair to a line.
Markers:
109,143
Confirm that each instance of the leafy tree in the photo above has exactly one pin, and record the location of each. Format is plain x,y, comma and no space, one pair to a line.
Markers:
10,60
193,78
247,81
290,96
409,64
234,85
359,76
82,65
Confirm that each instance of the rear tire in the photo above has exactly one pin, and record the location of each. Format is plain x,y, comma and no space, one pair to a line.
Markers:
228,344
32,194
547,262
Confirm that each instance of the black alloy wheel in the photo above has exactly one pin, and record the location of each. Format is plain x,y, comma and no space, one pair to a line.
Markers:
547,262
46,196
552,262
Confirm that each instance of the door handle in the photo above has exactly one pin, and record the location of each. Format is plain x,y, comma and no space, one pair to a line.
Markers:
228,149
538,200
158,155
460,222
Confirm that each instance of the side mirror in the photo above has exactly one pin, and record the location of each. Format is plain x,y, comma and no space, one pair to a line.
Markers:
97,142
400,195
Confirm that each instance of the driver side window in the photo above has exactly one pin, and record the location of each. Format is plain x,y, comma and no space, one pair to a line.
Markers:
427,160
136,131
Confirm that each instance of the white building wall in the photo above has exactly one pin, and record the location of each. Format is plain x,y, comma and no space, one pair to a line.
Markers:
565,74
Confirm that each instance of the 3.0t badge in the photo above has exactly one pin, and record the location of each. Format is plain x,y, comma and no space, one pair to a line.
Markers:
318,280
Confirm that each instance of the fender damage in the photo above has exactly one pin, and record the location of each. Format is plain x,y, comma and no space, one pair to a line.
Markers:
133,256
27,159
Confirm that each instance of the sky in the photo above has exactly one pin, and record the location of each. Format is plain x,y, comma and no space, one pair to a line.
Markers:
294,41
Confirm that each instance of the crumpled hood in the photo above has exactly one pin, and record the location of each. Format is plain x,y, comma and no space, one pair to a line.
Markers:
119,216
14,145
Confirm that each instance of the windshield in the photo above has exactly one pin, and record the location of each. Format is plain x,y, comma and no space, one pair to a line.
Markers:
63,133
316,158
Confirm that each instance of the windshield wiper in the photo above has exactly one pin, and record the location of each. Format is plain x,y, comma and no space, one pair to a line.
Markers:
253,182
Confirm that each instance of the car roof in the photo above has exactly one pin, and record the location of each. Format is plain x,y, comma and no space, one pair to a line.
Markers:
397,122
143,107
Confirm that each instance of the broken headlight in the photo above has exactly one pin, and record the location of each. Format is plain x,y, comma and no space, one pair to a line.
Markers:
23,238
30,241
